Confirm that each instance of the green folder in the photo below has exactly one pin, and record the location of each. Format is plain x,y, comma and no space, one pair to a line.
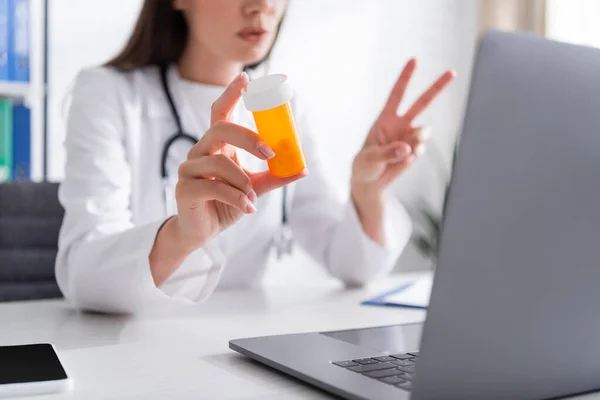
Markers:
6,140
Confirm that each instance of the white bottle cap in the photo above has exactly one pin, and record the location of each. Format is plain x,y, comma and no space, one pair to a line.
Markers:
267,92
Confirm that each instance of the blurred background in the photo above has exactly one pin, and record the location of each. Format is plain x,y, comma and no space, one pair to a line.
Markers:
343,56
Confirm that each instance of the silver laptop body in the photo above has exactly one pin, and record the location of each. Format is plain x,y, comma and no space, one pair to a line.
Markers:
515,307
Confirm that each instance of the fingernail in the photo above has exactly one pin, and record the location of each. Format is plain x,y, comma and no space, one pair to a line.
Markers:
425,134
239,77
250,209
420,150
266,150
252,196
401,153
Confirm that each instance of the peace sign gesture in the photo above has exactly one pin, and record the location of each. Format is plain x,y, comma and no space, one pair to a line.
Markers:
392,145
394,142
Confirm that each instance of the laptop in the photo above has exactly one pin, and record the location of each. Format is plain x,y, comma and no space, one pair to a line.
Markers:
515,305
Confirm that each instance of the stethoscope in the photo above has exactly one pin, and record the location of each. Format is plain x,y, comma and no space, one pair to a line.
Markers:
282,240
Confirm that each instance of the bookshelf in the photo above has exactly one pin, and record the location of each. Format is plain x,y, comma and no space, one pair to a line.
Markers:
14,90
33,93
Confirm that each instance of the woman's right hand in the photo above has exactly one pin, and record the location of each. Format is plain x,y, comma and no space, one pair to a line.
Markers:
213,191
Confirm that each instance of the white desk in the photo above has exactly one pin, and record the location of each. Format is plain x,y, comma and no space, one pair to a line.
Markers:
186,356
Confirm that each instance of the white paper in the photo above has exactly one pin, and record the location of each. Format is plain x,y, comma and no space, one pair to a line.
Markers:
416,295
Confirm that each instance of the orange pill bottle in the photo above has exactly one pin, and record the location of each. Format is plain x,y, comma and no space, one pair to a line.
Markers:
268,98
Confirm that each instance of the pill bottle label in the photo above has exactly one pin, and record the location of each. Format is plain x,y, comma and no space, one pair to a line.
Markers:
276,127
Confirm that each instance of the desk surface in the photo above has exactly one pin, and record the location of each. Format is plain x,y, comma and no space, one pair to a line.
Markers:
185,355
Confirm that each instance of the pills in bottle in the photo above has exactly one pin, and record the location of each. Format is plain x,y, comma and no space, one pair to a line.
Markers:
268,98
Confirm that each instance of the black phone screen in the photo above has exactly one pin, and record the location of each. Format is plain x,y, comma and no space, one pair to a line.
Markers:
29,363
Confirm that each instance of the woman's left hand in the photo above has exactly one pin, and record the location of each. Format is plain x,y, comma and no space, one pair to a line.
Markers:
392,145
394,142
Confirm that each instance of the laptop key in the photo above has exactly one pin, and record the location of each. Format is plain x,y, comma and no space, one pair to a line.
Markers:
408,368
408,376
365,361
384,359
402,356
404,385
393,380
382,373
371,367
403,363
345,364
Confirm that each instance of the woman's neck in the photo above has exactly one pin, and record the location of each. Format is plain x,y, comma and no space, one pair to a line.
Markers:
201,67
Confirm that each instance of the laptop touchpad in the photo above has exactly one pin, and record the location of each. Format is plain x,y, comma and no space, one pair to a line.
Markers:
392,339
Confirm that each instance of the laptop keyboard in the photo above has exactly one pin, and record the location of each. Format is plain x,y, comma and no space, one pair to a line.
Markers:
396,369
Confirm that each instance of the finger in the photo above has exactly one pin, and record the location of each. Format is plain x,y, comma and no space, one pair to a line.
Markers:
371,163
199,190
235,158
421,133
218,166
229,151
426,98
419,149
394,171
390,153
418,137
223,133
399,88
222,107
264,182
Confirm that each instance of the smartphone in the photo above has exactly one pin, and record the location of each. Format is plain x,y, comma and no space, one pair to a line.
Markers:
32,369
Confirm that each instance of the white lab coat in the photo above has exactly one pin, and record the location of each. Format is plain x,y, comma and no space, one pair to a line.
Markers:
114,202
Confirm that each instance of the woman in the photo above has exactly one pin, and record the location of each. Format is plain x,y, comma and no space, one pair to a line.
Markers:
123,249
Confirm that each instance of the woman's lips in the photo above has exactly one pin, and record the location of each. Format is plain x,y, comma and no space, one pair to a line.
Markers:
252,35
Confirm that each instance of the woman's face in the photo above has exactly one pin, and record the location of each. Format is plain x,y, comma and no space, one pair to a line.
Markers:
233,30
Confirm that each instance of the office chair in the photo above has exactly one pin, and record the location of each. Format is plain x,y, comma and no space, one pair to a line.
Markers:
30,220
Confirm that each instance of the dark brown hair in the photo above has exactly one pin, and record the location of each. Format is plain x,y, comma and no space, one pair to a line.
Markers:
158,38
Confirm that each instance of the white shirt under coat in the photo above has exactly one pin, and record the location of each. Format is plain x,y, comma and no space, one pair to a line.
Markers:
114,203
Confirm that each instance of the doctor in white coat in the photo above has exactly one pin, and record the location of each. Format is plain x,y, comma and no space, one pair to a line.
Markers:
132,241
